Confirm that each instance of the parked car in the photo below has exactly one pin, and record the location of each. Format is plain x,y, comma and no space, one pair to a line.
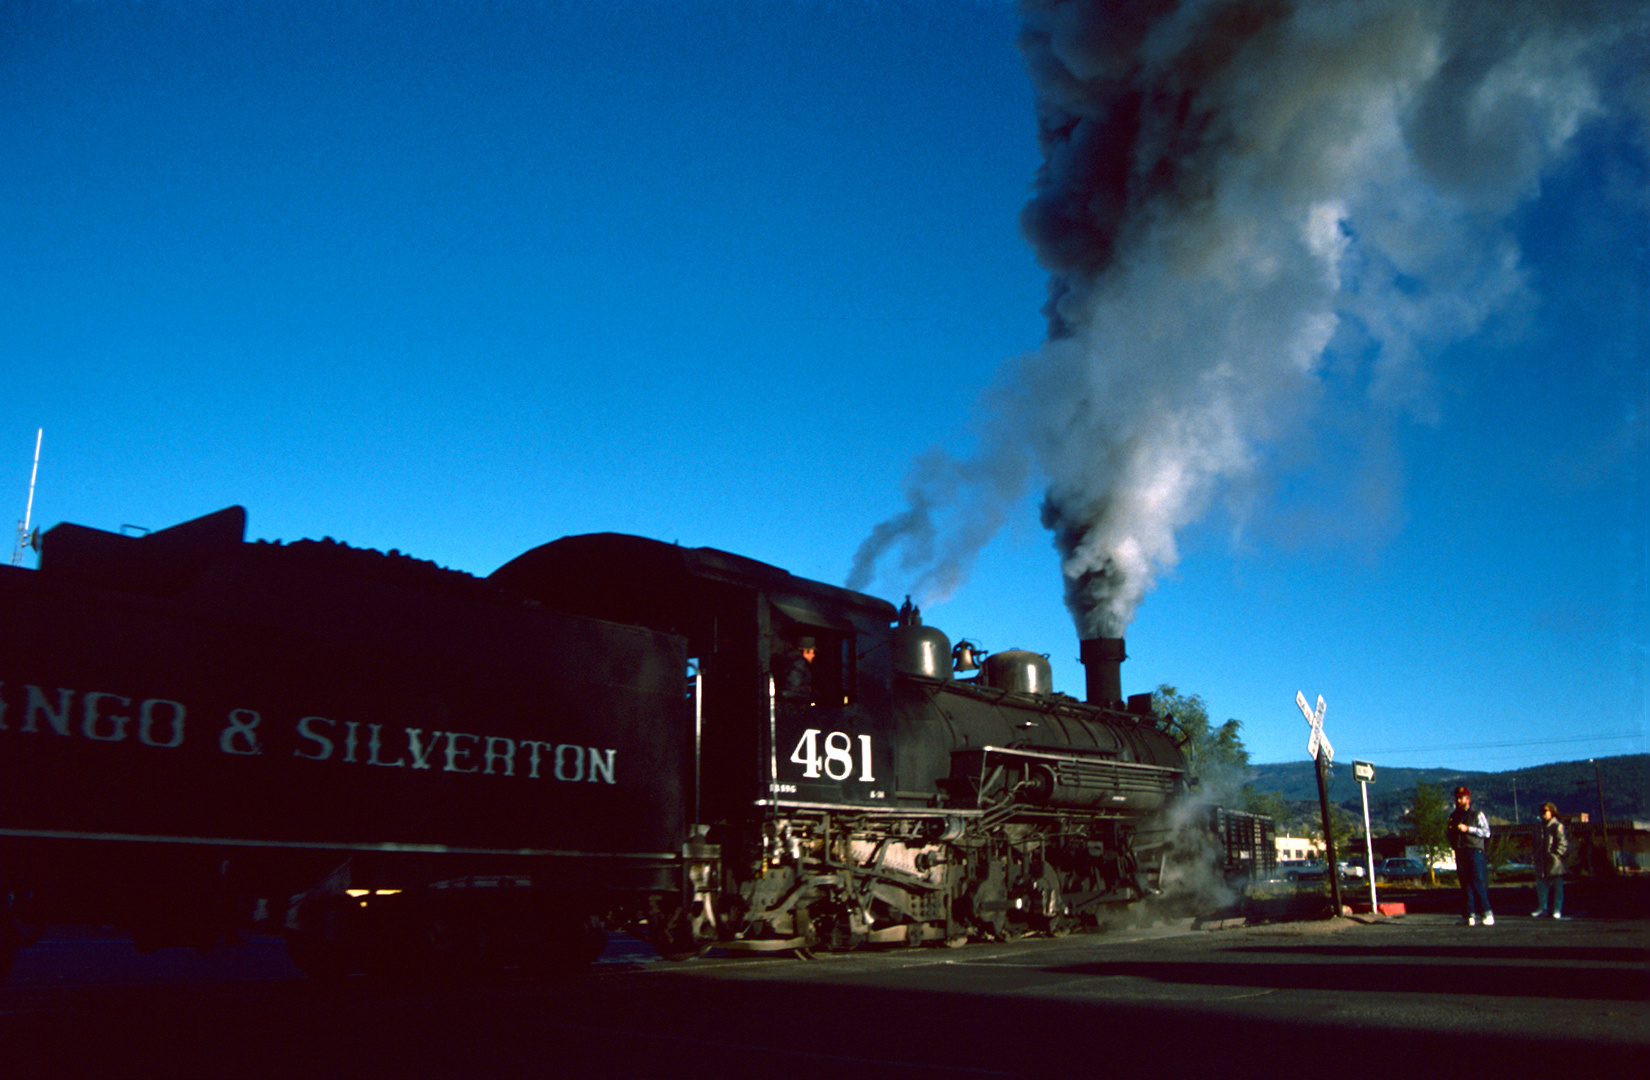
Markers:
1299,870
1400,869
1352,870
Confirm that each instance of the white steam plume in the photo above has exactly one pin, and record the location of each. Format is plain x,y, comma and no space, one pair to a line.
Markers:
1231,193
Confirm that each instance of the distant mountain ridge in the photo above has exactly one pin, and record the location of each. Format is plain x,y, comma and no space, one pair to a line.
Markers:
1572,786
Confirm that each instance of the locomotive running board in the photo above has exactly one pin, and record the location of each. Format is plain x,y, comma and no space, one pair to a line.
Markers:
388,847
861,808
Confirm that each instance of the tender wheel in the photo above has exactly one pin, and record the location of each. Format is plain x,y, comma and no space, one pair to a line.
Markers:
327,944
319,958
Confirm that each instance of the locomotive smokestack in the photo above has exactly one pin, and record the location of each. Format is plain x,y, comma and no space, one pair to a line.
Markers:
1103,662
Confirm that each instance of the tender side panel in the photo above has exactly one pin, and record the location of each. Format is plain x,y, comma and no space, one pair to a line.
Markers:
277,709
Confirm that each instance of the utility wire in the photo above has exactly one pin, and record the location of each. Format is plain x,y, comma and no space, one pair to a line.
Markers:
1498,745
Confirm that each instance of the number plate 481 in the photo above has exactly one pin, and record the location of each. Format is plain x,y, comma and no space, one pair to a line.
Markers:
843,754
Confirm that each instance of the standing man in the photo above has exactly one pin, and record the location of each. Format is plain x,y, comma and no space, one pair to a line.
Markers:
1549,864
1469,830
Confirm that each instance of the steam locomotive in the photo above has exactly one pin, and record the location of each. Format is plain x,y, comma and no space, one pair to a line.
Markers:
399,766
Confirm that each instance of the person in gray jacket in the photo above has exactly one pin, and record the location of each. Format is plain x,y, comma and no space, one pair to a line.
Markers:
1469,830
1551,844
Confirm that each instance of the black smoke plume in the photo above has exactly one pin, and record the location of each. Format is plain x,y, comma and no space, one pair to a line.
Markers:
1235,200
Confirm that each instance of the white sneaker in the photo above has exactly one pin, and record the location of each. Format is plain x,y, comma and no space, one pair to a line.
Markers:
1489,918
1470,920
1556,915
1538,914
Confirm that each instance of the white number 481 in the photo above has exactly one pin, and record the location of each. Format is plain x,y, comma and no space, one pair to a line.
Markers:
838,761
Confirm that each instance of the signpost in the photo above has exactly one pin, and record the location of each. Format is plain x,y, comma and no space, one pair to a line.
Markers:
1322,753
1365,772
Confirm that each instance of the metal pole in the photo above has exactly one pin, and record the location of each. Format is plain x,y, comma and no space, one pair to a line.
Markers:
1334,871
698,743
1369,851
1603,824
28,514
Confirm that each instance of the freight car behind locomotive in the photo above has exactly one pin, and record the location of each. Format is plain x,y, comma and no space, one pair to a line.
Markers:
400,767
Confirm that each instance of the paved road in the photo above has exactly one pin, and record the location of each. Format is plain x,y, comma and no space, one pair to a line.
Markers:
1417,996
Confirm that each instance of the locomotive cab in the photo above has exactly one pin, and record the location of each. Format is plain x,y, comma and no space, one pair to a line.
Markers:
740,618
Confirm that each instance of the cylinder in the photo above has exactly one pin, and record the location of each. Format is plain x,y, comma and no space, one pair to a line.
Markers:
1103,667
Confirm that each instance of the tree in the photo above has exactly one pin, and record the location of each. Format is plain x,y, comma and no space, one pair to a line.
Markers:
1207,748
1346,829
1431,818
1270,803
1215,755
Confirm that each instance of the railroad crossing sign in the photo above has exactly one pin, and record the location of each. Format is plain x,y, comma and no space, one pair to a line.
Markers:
1316,720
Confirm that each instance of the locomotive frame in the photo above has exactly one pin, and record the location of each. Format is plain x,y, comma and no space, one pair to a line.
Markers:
401,767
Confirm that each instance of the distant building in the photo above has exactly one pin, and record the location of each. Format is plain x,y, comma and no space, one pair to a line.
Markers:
1296,847
1628,848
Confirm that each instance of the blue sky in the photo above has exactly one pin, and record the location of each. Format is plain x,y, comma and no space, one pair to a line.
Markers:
460,278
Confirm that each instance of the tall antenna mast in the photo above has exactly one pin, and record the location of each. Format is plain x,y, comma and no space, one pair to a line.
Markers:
28,514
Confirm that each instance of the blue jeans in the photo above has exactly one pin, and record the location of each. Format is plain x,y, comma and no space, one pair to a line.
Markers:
1554,885
1473,873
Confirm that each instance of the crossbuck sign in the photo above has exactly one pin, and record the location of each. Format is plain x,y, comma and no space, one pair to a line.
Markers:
1316,720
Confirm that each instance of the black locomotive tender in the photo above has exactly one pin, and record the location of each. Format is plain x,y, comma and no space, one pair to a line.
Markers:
404,767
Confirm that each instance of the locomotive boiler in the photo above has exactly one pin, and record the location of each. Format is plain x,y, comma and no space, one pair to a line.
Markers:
401,767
